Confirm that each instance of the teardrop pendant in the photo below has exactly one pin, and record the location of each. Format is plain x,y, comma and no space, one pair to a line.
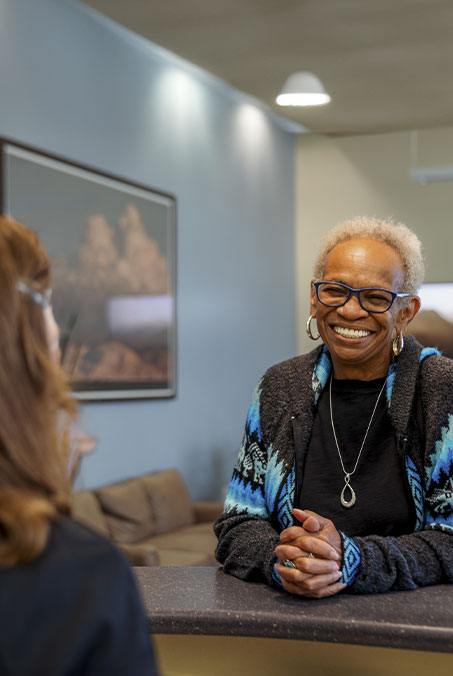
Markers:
351,502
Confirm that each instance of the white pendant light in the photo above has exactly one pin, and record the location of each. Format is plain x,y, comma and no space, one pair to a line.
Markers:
303,89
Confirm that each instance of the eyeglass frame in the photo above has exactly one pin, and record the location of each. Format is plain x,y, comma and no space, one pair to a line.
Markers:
43,298
356,292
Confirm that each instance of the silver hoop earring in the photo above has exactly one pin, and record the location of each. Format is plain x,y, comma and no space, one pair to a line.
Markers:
308,329
398,344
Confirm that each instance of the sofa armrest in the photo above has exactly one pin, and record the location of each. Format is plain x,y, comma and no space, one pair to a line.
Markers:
140,553
207,510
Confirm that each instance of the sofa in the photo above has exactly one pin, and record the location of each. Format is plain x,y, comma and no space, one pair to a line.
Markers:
152,519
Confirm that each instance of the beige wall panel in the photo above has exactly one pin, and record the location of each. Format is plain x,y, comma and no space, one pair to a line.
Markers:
247,656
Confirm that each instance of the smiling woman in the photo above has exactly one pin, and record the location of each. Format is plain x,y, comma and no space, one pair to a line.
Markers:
343,480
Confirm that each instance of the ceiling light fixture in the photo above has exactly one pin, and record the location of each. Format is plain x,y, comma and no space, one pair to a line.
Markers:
303,89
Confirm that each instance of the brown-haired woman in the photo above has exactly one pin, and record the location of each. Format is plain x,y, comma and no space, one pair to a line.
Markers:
68,602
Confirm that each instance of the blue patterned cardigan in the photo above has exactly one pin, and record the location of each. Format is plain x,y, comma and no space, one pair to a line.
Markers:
260,497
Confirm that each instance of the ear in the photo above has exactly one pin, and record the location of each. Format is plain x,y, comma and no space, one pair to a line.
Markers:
407,313
313,299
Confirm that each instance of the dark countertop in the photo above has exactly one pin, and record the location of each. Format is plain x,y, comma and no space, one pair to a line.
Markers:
202,600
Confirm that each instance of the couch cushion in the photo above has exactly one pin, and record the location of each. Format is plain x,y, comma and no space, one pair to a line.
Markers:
197,539
127,510
140,553
87,510
174,557
170,502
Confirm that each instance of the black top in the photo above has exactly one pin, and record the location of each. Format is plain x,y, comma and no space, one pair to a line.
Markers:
383,503
73,611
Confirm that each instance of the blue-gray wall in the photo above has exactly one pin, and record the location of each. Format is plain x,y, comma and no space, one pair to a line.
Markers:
76,85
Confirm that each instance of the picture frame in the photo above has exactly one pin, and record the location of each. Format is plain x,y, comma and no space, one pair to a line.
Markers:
112,243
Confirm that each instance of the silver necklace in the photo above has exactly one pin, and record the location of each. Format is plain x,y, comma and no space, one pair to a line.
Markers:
347,475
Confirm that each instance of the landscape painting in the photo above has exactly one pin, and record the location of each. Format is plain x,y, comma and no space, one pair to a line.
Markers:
113,246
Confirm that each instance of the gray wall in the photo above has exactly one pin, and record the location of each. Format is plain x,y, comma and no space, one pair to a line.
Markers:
75,85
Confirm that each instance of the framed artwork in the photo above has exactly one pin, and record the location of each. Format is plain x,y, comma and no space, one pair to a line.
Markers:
112,243
433,325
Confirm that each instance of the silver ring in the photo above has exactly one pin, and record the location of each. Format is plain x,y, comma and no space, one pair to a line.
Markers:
288,563
311,555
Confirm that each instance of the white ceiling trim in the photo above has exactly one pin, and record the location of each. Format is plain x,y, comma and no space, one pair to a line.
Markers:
154,50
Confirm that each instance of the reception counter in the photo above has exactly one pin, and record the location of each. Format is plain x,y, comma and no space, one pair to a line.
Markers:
206,622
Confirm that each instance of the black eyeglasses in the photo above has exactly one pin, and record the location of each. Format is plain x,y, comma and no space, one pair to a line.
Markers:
371,299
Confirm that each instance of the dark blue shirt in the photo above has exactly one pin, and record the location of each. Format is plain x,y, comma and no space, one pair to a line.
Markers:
73,611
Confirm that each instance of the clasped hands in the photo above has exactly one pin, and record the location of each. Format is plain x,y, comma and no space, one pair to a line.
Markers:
316,551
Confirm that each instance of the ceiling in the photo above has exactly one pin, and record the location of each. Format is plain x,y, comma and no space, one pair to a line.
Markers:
388,64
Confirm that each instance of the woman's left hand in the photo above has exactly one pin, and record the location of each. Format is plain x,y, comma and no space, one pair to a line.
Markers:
318,585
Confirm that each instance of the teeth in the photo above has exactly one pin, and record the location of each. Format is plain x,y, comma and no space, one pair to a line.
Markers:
351,333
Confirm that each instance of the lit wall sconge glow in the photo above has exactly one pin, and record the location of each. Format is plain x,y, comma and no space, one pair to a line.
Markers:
303,89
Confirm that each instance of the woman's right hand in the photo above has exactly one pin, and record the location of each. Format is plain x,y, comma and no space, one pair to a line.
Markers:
314,527
317,561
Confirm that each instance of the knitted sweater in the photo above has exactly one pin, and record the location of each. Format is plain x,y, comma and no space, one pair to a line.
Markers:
260,498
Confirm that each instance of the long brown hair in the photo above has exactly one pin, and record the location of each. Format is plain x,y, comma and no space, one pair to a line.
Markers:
34,486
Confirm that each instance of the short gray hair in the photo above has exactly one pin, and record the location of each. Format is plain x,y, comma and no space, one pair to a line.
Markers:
397,235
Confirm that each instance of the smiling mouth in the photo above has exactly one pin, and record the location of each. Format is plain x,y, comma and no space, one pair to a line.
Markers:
351,333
